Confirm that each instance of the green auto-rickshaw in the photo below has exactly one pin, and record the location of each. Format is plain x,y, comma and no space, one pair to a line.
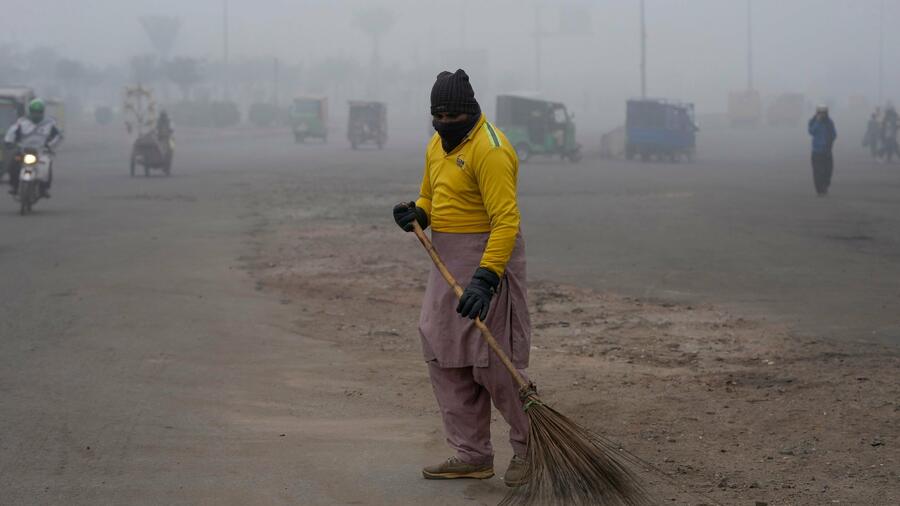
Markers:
537,127
309,118
13,102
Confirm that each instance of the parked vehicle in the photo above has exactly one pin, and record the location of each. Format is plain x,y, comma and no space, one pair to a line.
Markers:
13,102
537,127
35,168
660,129
309,118
367,124
612,143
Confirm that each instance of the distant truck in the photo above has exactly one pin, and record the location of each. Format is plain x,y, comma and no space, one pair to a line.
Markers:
612,143
661,129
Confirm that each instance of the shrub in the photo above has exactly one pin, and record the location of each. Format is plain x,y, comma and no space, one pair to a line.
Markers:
206,114
262,114
225,114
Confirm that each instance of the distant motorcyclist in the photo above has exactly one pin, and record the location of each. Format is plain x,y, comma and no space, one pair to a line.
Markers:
164,128
34,130
165,131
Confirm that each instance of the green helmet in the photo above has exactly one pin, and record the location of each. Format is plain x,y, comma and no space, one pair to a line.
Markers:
36,110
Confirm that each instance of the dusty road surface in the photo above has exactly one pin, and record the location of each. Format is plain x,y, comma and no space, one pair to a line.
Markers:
244,331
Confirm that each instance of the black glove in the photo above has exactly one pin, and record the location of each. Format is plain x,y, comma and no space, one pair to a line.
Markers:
406,212
476,298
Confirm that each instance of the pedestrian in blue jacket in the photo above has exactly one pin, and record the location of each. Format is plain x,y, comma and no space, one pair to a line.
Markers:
823,133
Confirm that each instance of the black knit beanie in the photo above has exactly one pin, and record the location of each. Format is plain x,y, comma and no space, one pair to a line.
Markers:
453,94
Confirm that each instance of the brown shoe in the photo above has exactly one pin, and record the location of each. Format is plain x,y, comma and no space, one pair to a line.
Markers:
515,473
453,468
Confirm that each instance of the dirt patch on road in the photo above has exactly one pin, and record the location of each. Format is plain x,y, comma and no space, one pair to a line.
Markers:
735,411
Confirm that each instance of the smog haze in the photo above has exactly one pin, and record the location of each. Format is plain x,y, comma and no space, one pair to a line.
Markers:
589,51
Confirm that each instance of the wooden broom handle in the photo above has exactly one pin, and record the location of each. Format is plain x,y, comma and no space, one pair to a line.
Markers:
485,333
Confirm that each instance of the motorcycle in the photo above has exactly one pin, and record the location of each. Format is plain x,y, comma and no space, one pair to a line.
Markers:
36,169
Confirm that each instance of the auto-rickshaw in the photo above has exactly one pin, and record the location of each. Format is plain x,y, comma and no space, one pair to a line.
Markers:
368,123
537,127
309,118
13,102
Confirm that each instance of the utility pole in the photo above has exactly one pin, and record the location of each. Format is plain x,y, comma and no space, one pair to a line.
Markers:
537,47
881,56
225,48
749,46
643,53
463,23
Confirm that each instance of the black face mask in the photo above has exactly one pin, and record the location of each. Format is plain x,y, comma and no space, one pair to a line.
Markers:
452,134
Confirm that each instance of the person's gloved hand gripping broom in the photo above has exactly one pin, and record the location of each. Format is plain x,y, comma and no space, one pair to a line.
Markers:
476,299
406,212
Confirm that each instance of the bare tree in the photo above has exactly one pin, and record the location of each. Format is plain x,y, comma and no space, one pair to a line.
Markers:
162,31
185,72
73,76
145,68
12,61
70,70
334,74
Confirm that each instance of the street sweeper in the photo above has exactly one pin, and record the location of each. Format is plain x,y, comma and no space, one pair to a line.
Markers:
468,198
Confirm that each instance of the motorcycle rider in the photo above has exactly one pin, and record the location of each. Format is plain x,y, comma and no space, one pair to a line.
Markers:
35,129
164,129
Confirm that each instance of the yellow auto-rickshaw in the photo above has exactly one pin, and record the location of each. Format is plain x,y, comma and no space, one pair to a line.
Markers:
13,103
56,109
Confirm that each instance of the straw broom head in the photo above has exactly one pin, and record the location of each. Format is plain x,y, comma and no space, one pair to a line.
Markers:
569,465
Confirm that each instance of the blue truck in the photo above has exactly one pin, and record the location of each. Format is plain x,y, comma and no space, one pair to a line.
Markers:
660,129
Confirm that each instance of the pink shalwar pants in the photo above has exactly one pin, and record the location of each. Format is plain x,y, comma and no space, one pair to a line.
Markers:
464,395
465,374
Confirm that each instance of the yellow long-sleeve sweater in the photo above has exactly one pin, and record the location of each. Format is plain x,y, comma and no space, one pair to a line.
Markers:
472,189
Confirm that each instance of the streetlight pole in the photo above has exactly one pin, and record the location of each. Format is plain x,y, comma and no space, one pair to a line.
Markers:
881,55
537,47
643,53
749,46
225,47
275,80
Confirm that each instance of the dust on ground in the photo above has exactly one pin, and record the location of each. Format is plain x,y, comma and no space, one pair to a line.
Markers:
731,410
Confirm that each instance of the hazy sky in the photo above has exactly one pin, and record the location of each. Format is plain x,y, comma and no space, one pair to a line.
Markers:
696,48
